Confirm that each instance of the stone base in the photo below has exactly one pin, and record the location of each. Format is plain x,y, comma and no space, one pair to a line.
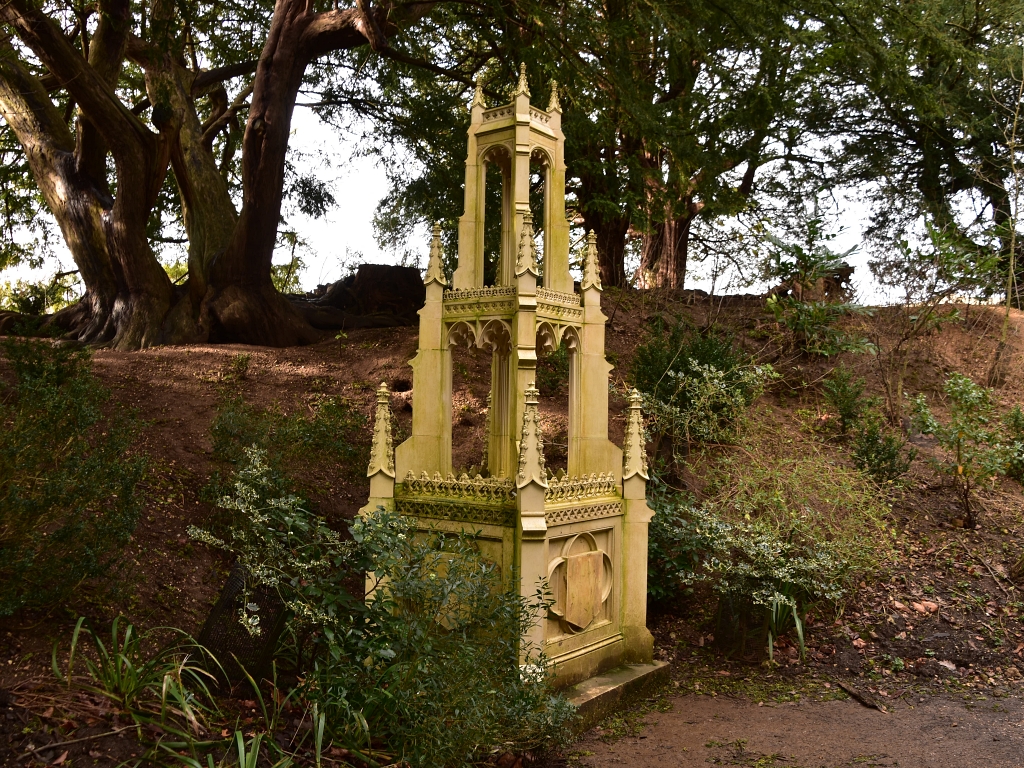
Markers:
599,696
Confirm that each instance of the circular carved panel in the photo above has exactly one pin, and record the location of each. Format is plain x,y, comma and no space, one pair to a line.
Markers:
581,579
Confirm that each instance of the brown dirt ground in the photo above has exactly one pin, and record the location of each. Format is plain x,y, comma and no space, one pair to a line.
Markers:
931,733
169,581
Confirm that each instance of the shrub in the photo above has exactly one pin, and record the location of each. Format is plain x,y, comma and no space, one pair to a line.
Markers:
695,387
67,477
553,372
844,395
800,527
882,453
1014,424
429,665
971,439
765,576
815,325
332,428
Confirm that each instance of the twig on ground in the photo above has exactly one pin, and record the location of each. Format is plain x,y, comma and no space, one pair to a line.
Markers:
59,744
862,698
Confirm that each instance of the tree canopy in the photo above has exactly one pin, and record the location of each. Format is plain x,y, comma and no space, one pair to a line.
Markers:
139,124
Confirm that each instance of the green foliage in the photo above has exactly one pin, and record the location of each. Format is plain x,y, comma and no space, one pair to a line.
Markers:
777,532
169,688
429,665
881,452
40,298
1014,424
815,325
972,438
802,303
845,396
67,477
553,372
695,387
330,427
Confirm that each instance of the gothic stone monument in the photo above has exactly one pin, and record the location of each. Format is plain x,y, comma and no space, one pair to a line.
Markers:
584,531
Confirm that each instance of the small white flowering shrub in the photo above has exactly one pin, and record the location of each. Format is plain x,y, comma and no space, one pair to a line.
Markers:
429,667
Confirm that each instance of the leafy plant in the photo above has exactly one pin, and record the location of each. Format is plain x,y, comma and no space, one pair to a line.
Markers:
695,388
777,530
429,664
803,303
880,452
67,476
972,438
815,325
553,372
845,395
330,427
169,688
1014,424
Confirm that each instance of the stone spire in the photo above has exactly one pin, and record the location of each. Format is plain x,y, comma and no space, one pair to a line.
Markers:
435,270
591,271
553,105
531,446
526,261
478,94
634,456
487,434
523,88
382,451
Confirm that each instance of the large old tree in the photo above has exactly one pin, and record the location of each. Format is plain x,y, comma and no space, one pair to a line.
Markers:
105,98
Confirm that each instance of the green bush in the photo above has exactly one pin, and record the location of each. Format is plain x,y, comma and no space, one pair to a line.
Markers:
673,547
779,528
1014,424
553,372
815,325
880,452
67,478
695,387
428,668
331,428
972,439
844,395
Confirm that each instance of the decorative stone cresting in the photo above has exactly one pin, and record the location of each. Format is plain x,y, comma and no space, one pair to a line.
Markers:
477,489
578,488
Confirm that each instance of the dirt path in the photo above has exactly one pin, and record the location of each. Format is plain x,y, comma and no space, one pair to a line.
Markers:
936,733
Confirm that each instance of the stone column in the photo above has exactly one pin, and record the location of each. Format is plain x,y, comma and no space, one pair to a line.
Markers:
429,448
593,451
531,484
470,273
639,643
556,228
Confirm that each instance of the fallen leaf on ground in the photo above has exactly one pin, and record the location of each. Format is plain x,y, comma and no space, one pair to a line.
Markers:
60,760
930,606
948,665
920,608
898,605
858,643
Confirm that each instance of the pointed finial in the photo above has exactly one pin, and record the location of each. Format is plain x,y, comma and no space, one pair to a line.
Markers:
634,455
553,105
478,94
523,89
382,451
591,270
435,268
526,260
531,446
487,434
